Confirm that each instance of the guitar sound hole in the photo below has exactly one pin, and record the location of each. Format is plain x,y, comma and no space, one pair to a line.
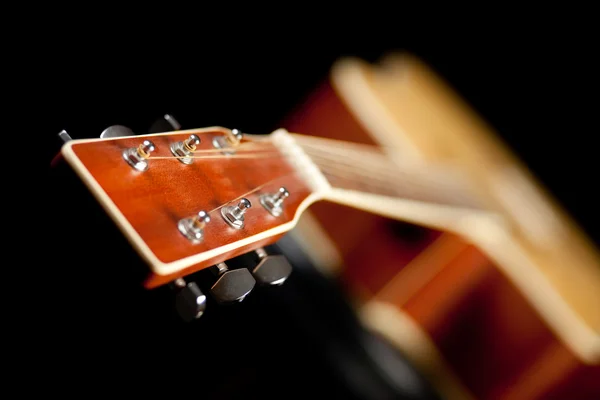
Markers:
407,232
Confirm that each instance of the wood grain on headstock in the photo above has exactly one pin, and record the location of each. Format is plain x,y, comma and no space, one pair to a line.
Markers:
147,205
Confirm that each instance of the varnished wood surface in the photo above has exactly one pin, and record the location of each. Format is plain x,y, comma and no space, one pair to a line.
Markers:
153,201
487,331
323,114
154,280
445,129
494,341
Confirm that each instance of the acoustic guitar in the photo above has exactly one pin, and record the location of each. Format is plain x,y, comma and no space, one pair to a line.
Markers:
488,286
477,298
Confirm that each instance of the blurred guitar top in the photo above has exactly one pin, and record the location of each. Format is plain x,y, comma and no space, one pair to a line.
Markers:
489,311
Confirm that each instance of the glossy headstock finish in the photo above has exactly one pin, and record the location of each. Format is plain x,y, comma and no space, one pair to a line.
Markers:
147,205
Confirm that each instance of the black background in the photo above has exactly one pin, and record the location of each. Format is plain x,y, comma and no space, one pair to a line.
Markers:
534,84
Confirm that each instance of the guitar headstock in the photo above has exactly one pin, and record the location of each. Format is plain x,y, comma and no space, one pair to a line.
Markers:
188,200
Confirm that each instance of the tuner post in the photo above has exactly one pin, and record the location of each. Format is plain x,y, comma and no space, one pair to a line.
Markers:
193,228
273,202
184,150
234,215
137,157
230,140
172,121
64,136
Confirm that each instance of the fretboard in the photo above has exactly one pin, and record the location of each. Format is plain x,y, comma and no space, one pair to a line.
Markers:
365,177
366,168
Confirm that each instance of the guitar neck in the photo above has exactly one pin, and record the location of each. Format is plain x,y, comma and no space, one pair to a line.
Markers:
440,141
498,207
366,177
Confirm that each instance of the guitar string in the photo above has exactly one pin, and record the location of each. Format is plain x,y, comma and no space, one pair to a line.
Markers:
247,147
331,145
373,153
344,164
376,163
401,189
337,160
235,156
329,142
380,173
341,147
348,164
251,191
388,181
379,165
270,154
380,169
384,177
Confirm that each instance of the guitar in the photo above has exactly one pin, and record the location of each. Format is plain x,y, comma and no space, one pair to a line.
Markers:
195,199
489,308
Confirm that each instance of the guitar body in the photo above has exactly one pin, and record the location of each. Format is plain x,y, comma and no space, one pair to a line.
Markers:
477,327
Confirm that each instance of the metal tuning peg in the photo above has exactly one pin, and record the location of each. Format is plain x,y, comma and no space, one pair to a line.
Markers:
271,269
184,150
190,302
137,156
234,215
232,285
273,202
227,142
116,131
193,227
165,124
64,136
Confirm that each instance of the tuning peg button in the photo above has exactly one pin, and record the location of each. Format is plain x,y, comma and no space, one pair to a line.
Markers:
165,124
232,285
271,269
190,302
116,131
64,136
